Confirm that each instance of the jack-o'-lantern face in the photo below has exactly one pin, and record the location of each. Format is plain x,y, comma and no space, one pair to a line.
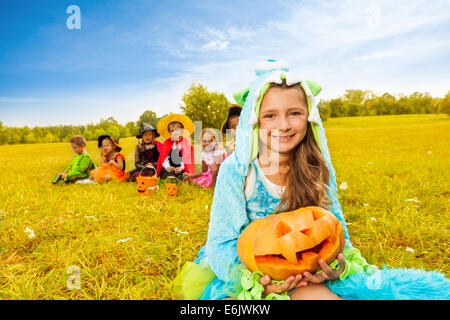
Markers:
291,243
171,189
146,186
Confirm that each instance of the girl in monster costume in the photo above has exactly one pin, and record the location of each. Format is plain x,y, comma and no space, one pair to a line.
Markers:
247,189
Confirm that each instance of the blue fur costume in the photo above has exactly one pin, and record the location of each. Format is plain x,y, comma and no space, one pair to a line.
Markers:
230,214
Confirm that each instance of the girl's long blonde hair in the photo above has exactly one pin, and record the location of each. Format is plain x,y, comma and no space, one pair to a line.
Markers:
307,180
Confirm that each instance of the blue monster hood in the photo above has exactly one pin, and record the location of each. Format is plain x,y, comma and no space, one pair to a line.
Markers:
247,143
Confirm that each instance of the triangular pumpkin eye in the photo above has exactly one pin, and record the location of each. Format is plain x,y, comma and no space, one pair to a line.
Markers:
282,228
307,232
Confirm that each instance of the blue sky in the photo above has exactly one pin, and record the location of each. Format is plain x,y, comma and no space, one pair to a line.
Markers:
132,56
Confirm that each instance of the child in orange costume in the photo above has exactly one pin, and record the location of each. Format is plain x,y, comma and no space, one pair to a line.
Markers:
112,162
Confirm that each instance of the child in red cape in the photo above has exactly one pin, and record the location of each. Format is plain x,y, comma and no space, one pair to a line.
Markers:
177,152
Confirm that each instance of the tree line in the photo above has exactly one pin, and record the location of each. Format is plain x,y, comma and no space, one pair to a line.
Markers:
365,103
212,107
63,133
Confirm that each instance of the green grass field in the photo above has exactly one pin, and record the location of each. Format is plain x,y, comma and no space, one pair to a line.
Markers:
384,160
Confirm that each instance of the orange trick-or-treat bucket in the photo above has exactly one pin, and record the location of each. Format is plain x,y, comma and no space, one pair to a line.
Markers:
146,186
172,187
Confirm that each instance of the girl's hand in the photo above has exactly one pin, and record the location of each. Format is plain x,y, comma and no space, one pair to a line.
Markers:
288,284
178,170
186,175
327,274
170,169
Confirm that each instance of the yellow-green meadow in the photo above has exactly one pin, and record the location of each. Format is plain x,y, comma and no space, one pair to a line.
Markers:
393,178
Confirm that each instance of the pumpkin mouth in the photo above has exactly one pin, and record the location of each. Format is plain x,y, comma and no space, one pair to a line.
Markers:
314,251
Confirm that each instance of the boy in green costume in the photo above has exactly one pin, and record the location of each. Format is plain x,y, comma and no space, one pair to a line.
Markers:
81,164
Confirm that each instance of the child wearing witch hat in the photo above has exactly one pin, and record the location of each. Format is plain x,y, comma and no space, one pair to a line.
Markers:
112,162
147,152
177,153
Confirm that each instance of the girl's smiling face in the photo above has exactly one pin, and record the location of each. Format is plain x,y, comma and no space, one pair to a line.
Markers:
107,146
208,141
283,119
148,136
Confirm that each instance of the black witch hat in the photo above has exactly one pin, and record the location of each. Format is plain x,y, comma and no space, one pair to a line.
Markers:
145,127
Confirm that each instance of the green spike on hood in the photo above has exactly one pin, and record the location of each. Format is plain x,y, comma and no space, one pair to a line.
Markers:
314,87
241,95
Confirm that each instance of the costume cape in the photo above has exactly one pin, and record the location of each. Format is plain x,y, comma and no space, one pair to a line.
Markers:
187,154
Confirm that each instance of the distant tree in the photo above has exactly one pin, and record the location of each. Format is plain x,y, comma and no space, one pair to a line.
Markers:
356,96
324,110
384,104
132,127
3,138
356,101
337,108
444,104
422,102
30,138
402,105
201,105
48,137
353,109
148,117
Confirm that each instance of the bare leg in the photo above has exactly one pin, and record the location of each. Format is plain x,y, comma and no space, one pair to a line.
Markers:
314,292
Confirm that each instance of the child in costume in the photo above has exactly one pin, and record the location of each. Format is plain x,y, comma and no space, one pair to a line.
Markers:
177,153
112,162
81,164
230,125
147,152
280,124
212,156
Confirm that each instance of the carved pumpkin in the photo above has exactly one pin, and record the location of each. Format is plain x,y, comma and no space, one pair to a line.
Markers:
291,243
146,186
171,189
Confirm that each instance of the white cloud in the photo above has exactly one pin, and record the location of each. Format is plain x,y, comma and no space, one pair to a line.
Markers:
343,44
379,55
216,45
